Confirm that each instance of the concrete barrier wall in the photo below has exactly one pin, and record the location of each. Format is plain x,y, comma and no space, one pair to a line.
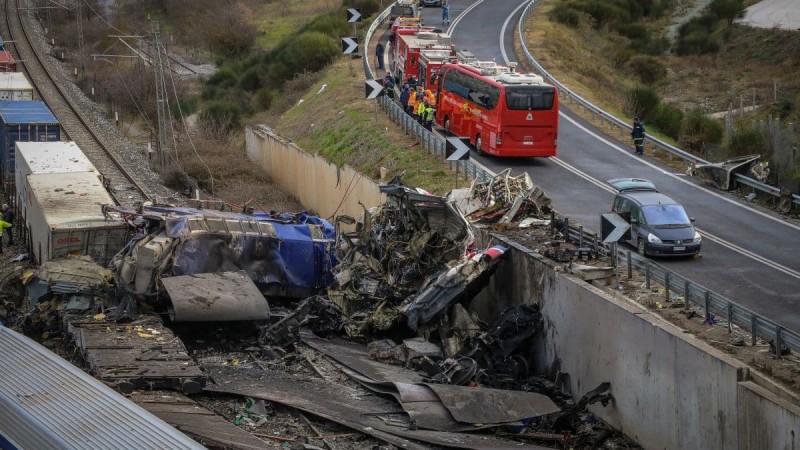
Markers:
670,390
319,185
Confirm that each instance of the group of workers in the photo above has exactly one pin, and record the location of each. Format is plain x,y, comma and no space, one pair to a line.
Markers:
418,103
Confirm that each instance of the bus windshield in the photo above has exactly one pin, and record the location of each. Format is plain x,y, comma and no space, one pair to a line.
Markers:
530,98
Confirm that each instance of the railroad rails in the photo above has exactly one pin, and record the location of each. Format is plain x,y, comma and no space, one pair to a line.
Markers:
122,186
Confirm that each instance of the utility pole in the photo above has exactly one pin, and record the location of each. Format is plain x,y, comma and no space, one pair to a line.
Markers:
161,95
81,53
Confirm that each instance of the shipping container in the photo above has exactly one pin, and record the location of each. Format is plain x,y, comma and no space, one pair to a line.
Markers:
7,62
29,121
47,157
15,87
64,216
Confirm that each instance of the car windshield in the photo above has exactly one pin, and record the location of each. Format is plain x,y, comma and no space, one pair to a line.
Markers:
665,215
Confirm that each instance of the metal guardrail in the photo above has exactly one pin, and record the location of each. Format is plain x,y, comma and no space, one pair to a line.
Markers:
693,293
712,304
604,116
431,141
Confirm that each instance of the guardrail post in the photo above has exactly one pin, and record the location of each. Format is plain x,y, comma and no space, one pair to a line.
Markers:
708,307
730,316
647,275
666,285
778,342
580,236
630,265
753,319
566,229
686,292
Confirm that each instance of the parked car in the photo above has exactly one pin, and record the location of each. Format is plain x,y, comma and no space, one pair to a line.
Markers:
659,225
430,2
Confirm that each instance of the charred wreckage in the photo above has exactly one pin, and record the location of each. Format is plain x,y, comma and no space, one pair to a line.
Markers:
386,297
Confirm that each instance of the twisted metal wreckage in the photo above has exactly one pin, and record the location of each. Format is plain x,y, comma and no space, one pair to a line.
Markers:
408,269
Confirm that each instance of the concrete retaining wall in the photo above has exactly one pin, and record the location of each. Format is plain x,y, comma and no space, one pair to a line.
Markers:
670,390
319,185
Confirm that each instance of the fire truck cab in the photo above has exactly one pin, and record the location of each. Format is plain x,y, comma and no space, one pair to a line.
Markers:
408,47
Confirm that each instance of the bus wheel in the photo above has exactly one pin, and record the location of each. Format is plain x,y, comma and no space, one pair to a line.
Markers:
479,145
446,126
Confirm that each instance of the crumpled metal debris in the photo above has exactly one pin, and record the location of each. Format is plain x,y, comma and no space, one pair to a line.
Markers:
399,249
506,198
720,173
317,313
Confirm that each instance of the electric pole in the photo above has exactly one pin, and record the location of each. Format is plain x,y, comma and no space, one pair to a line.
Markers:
161,95
81,53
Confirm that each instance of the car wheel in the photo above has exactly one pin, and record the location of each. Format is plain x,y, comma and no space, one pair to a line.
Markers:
640,247
447,126
479,145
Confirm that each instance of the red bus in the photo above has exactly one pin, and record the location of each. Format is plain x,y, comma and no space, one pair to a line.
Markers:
501,112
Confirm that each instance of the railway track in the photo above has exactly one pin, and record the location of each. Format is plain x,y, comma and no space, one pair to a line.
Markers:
122,186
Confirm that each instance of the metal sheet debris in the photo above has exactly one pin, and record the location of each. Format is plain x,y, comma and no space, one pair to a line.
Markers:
221,296
720,173
505,198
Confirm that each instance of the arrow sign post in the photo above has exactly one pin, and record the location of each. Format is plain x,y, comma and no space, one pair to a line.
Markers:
456,150
349,45
612,229
353,15
373,89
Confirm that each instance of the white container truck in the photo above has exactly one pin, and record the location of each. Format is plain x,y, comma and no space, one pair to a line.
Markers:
15,87
46,157
64,217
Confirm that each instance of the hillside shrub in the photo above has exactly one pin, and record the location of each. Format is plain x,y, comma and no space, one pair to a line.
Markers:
648,69
565,13
220,114
668,120
729,10
643,102
700,130
746,141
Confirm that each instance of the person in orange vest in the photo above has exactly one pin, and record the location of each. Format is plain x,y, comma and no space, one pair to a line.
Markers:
411,109
430,97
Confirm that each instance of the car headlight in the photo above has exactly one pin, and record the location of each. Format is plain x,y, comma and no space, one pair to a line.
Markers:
697,238
653,239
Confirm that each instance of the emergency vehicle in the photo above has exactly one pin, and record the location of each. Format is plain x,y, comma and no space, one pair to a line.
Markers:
408,47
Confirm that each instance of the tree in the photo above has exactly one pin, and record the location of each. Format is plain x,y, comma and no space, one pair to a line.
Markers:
729,10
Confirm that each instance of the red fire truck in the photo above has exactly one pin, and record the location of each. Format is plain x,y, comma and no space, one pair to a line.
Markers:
501,112
407,49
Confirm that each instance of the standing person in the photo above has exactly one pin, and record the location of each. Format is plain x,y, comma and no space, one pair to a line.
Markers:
421,107
412,82
428,115
8,217
379,54
3,226
445,12
638,135
405,94
411,108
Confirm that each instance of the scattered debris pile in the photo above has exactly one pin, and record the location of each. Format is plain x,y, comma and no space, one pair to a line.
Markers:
285,255
505,198
721,173
410,243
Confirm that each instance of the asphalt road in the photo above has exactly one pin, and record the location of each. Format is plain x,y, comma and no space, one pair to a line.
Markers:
774,13
750,255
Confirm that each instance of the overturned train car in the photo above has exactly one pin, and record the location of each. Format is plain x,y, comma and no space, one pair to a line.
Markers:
284,255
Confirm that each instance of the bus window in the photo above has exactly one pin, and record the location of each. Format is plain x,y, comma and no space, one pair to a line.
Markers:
531,98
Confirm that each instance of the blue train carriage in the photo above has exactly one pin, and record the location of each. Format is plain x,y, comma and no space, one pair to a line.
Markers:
24,121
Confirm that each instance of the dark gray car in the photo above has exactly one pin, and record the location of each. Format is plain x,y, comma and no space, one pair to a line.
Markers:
659,225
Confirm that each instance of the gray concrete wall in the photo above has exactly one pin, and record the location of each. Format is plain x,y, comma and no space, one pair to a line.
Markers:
670,390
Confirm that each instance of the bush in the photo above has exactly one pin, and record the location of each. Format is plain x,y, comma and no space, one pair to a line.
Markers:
631,30
565,14
602,12
668,120
729,10
251,79
747,141
648,69
699,130
231,36
698,42
643,102
368,7
649,46
311,50
264,98
221,114
222,78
